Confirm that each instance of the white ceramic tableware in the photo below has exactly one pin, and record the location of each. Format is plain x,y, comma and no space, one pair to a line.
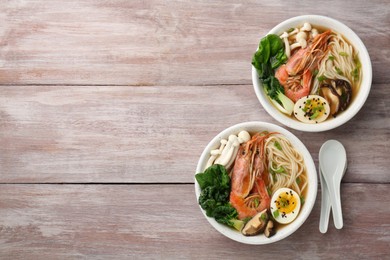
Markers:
325,201
332,160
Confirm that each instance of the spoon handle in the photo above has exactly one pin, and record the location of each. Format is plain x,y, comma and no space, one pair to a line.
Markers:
337,213
325,204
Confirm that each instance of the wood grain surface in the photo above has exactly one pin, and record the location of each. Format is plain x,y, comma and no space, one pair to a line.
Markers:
128,134
161,42
160,221
106,106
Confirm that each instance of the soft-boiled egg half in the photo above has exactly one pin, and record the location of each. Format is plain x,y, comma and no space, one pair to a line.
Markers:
285,205
311,109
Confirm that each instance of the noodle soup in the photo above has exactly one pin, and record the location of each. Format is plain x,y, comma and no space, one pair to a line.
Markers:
308,64
261,161
311,73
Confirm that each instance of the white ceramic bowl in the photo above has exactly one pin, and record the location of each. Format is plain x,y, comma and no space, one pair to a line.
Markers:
358,100
310,195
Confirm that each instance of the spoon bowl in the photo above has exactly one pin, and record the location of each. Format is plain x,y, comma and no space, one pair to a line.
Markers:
332,160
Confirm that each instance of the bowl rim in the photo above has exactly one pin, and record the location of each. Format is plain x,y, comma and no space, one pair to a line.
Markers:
359,99
311,192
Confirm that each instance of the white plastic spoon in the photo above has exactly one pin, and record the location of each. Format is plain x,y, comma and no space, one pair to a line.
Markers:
325,202
332,158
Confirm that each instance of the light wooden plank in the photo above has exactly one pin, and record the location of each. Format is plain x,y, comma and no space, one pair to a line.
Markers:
160,42
164,222
153,134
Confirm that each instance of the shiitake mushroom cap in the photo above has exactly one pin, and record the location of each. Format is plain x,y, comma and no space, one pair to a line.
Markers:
256,225
270,230
338,94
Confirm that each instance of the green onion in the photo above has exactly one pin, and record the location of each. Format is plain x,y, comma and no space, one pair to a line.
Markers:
275,213
277,145
290,30
343,54
298,180
339,71
283,202
263,217
321,78
315,73
315,115
280,170
302,200
256,201
357,62
317,108
273,174
355,74
331,57
245,220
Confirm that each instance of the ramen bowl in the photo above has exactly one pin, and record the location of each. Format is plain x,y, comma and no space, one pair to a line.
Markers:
358,99
310,192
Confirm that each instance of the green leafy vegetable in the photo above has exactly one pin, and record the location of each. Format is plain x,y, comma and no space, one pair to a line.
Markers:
266,59
214,197
343,54
216,176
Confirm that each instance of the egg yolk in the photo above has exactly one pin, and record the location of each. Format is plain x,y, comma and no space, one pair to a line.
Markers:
286,202
313,108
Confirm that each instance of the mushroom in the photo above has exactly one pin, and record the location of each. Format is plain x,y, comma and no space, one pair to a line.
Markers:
228,151
332,97
232,153
300,43
284,36
301,35
269,230
243,136
306,27
256,225
295,31
338,94
343,88
215,153
314,32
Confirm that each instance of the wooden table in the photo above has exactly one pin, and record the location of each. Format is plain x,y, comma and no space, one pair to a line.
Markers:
106,106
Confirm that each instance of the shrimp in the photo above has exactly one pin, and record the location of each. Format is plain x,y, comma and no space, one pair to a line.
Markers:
249,193
296,75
